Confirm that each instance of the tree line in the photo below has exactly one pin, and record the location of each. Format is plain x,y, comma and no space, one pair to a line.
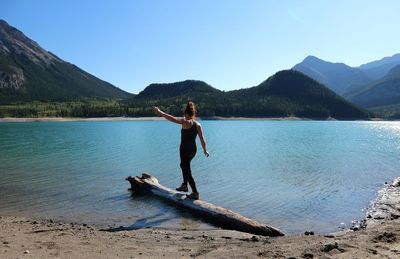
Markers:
207,107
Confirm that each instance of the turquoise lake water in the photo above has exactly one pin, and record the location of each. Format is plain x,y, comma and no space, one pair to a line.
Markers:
294,175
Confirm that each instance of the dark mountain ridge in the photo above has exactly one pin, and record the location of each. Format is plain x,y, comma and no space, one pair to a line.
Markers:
187,87
287,93
305,97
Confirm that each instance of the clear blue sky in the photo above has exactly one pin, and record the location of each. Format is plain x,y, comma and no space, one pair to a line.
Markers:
229,44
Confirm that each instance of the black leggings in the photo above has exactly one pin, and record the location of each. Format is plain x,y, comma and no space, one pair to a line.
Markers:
186,157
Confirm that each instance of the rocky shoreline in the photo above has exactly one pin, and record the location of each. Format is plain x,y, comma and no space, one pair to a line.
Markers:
379,237
386,207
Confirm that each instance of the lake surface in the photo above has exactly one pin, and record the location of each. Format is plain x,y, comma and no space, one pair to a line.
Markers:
294,175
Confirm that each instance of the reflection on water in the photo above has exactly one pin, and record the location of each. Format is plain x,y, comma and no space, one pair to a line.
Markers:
295,175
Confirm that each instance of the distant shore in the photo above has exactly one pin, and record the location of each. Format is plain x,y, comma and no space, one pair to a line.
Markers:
43,238
44,119
154,118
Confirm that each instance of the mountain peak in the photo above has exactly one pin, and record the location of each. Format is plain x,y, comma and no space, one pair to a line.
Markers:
166,90
315,60
299,89
311,58
291,78
339,77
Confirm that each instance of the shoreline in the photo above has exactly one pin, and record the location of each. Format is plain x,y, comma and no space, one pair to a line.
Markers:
155,118
386,206
379,237
67,119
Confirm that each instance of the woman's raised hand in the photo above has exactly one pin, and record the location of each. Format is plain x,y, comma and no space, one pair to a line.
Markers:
156,110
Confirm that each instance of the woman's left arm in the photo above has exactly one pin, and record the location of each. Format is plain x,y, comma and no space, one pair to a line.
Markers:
202,139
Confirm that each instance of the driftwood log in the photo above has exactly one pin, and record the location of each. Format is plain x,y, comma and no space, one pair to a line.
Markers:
217,215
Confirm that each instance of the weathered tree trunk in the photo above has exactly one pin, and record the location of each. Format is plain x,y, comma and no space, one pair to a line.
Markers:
219,216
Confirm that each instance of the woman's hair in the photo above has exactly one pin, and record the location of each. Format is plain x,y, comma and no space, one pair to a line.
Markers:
190,109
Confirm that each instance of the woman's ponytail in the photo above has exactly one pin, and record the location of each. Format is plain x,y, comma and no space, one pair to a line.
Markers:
190,109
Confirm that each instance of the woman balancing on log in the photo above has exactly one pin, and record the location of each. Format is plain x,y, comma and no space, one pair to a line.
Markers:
187,150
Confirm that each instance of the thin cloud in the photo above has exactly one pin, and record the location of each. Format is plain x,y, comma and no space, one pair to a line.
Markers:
296,17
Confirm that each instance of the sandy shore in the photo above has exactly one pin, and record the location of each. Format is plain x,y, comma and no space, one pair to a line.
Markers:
24,238
28,238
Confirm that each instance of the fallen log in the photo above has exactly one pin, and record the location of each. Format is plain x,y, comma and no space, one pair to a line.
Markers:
219,216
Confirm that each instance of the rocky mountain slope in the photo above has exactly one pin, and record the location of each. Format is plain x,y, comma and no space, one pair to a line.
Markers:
28,72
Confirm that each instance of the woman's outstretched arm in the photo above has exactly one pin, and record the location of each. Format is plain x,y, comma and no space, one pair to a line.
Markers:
202,139
167,116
